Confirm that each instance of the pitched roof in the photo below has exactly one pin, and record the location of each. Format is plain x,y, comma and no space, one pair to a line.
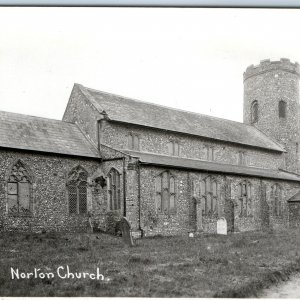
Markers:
131,111
196,164
40,134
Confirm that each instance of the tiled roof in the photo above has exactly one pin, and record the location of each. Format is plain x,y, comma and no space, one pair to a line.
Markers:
131,111
40,134
194,164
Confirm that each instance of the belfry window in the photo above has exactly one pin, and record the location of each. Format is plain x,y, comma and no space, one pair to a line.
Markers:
113,189
254,112
19,191
77,191
282,109
165,193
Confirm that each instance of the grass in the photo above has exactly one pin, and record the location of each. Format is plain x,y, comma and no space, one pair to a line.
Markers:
237,265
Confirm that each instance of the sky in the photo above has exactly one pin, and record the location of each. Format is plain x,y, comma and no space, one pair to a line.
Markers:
188,58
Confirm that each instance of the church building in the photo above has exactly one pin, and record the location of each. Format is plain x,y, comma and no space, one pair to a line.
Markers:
169,171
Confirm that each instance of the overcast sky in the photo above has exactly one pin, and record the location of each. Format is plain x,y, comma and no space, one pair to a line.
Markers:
191,58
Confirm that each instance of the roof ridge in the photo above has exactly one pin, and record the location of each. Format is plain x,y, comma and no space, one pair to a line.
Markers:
164,106
87,94
36,117
101,102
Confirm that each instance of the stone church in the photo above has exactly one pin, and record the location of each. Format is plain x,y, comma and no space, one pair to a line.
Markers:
167,170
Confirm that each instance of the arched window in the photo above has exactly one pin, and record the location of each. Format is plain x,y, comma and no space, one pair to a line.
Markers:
276,195
77,191
209,152
133,141
209,194
254,112
174,148
165,193
19,191
245,197
113,189
282,109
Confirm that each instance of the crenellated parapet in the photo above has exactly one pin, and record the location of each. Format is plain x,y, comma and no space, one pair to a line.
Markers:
267,65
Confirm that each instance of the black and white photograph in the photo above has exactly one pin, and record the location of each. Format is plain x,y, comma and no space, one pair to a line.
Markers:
149,152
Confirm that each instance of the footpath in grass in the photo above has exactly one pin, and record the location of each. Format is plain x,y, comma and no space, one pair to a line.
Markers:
206,266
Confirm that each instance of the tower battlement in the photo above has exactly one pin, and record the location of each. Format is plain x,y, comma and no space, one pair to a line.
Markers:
267,65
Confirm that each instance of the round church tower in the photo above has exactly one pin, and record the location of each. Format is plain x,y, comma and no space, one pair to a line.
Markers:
271,104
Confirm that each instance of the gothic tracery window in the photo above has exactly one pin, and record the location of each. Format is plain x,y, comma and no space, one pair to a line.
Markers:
77,191
114,190
209,189
245,197
165,193
19,190
254,112
276,195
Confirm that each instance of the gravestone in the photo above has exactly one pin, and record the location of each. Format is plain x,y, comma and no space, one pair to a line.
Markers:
191,234
90,224
85,242
222,226
126,232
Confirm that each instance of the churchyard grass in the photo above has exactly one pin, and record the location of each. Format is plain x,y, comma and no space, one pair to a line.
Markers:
205,266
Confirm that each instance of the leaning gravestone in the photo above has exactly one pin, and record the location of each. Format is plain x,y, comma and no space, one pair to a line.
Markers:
222,226
126,232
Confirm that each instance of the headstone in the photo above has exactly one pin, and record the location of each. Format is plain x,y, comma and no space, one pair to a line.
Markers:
90,224
222,226
126,232
85,242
